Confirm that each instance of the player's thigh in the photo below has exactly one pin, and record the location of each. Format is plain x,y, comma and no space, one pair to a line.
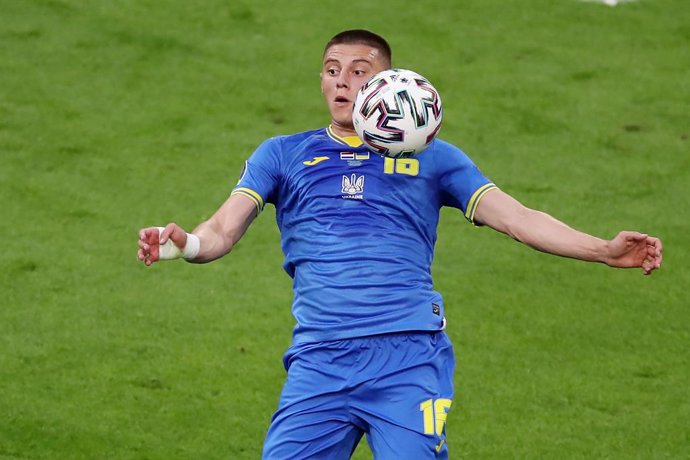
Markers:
392,442
311,436
406,406
313,418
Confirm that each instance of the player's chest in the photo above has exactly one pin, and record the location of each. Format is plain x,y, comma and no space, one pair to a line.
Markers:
353,174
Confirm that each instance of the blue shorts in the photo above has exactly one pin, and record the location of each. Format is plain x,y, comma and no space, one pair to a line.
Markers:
396,388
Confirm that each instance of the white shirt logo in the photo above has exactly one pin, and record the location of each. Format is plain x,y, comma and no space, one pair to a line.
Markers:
353,186
354,158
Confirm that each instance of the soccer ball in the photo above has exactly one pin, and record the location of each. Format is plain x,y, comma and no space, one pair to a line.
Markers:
397,113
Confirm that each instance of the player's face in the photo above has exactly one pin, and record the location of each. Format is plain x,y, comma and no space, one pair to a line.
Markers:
345,69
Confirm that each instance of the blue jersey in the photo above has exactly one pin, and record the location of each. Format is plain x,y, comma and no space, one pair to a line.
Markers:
358,230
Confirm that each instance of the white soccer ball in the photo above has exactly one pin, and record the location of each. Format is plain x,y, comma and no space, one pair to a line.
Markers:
397,113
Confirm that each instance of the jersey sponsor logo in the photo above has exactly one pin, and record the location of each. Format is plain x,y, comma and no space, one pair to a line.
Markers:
315,161
353,187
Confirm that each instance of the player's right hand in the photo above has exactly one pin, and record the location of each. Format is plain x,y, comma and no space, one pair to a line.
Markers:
150,241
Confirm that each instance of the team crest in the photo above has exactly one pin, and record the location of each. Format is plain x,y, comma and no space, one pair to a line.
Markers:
353,187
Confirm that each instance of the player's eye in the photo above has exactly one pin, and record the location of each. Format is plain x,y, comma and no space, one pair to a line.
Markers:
359,72
332,72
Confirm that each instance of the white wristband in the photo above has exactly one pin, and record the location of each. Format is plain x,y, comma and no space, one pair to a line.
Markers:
170,251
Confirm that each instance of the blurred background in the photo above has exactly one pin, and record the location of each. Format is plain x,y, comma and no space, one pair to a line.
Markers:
120,115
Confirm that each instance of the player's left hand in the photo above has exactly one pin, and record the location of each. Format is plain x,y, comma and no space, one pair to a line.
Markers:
634,249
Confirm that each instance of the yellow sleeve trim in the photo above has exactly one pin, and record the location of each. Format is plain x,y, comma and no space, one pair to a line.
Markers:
476,198
251,194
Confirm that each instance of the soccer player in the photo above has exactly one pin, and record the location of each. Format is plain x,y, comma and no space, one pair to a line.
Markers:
369,355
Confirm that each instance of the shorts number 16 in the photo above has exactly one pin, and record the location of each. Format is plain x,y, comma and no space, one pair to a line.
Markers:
435,414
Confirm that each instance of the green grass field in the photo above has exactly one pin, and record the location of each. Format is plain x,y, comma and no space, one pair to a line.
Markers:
124,114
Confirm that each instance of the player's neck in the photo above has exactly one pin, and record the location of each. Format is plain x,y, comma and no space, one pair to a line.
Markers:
342,131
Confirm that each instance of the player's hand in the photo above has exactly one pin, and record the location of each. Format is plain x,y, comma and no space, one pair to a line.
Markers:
633,249
150,241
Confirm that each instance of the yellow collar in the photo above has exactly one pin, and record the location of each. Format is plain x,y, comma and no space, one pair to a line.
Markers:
352,141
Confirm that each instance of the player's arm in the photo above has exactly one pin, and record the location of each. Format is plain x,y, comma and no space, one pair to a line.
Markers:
540,231
216,236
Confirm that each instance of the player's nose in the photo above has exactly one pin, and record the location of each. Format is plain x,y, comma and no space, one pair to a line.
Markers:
343,81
